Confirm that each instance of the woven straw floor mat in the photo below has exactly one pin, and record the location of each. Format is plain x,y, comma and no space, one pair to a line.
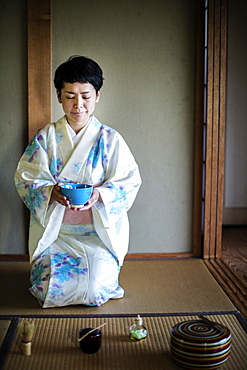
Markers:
156,286
55,347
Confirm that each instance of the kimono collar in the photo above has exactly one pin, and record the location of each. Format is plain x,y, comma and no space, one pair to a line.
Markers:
75,158
77,137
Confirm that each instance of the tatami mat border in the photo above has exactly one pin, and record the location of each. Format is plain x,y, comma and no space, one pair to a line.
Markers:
149,314
8,339
237,314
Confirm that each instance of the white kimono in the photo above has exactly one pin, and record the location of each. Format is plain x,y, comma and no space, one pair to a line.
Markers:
77,263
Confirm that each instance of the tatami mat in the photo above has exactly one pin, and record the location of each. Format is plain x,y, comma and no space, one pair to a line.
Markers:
157,286
54,345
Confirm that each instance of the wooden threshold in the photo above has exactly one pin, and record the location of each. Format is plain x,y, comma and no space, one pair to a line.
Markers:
151,256
129,256
14,257
229,282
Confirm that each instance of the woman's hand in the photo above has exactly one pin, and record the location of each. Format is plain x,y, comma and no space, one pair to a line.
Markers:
56,196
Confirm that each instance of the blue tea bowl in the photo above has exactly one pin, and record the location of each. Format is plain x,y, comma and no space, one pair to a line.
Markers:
77,194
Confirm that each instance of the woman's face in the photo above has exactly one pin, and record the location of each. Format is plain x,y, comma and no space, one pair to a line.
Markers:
78,101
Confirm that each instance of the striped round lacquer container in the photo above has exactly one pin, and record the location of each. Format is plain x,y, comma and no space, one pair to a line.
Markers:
196,344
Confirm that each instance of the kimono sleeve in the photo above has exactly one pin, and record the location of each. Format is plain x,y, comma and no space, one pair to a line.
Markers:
33,179
122,180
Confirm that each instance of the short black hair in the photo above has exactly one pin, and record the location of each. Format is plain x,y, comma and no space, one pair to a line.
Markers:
79,69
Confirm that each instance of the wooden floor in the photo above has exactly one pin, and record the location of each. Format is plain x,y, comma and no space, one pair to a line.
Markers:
231,269
234,251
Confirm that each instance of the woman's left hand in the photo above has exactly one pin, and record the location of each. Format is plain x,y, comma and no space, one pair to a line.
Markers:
94,199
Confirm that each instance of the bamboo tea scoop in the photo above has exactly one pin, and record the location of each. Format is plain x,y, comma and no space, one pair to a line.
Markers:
79,339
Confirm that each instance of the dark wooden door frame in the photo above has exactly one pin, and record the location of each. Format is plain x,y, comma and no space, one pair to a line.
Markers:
215,128
39,46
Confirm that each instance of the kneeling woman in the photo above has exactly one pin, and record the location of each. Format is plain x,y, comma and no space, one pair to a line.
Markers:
76,253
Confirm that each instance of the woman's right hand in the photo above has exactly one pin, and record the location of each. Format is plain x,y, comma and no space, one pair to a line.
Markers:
56,196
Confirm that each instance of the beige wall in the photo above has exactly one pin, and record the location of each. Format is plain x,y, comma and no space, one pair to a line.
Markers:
146,49
13,123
